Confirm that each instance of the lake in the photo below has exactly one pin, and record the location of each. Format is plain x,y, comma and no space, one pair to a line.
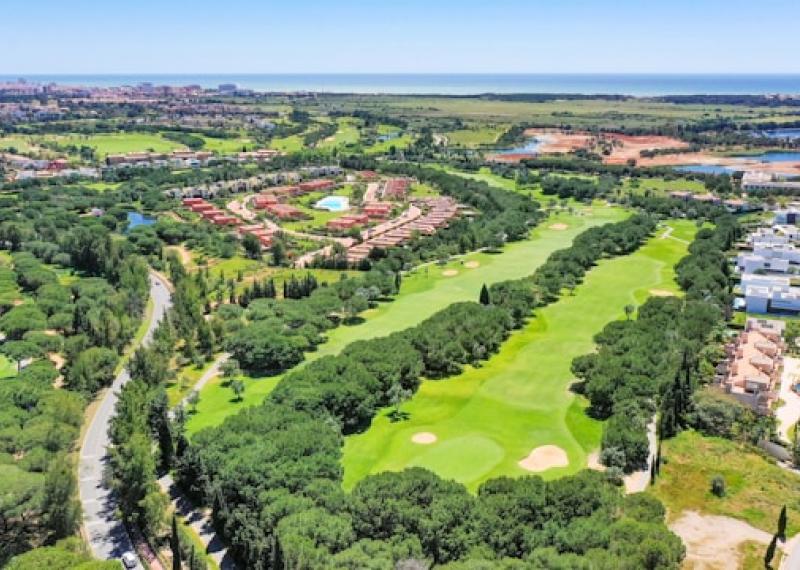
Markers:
774,156
135,219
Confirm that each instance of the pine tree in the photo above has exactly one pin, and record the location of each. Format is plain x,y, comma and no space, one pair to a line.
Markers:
484,297
175,546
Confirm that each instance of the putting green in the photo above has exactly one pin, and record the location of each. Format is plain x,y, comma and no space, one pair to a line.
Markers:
423,293
519,400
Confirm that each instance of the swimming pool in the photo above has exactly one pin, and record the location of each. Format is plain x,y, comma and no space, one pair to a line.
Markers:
333,204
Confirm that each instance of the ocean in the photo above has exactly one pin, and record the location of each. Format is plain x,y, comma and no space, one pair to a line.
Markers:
642,85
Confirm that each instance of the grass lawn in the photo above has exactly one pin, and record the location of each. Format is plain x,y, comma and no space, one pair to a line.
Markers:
293,143
226,146
475,137
661,186
756,488
8,369
117,143
423,293
489,418
217,400
422,190
102,186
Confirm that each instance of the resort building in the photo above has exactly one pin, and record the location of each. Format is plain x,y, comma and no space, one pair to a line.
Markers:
755,181
753,364
769,293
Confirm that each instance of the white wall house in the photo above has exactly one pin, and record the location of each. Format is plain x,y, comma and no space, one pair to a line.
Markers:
769,293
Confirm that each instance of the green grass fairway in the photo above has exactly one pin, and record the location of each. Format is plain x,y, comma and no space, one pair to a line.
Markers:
489,418
118,143
399,143
293,143
755,488
227,146
8,369
347,134
423,293
475,136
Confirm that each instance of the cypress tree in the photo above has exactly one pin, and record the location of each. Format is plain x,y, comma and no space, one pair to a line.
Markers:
781,534
770,554
484,297
175,545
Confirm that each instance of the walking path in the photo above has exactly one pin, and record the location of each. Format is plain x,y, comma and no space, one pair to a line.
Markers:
107,537
638,481
789,413
201,523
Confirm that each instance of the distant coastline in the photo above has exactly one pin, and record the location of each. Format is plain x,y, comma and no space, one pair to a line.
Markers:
640,85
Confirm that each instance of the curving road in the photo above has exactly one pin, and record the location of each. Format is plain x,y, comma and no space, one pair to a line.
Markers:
107,537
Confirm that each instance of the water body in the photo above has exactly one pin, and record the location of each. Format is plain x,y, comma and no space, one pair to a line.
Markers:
135,219
531,146
459,83
775,156
790,134
333,203
705,169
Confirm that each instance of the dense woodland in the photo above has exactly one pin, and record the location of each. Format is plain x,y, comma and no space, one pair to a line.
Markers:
68,289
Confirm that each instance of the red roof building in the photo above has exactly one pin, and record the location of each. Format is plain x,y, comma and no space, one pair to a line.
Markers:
316,185
284,211
264,200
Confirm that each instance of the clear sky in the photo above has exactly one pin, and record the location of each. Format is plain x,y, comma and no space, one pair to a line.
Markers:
399,36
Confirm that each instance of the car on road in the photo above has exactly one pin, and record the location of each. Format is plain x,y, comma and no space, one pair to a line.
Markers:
129,560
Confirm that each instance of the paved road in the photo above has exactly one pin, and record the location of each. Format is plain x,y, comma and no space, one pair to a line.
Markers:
107,536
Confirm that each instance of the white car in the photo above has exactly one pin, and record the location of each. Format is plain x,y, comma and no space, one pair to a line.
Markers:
129,560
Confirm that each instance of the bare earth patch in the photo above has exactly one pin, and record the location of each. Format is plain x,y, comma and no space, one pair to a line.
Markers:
544,458
449,272
559,227
661,293
424,438
472,264
712,542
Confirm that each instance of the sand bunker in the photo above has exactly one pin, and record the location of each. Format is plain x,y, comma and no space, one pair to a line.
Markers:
661,293
424,438
544,458
558,227
472,264
593,461
449,272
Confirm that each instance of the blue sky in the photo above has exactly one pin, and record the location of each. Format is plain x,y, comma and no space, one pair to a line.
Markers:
397,36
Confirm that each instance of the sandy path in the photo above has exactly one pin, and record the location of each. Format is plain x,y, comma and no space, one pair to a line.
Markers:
712,542
638,481
789,413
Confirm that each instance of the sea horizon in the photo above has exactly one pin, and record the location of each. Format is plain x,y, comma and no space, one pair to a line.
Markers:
463,84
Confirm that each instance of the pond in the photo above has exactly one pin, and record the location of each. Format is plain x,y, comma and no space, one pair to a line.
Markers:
787,133
136,219
333,204
705,169
531,146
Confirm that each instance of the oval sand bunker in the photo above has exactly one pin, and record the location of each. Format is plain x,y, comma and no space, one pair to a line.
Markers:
424,438
449,272
544,458
472,264
559,227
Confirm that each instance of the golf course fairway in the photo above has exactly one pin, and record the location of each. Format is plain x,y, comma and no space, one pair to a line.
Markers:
424,292
488,419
